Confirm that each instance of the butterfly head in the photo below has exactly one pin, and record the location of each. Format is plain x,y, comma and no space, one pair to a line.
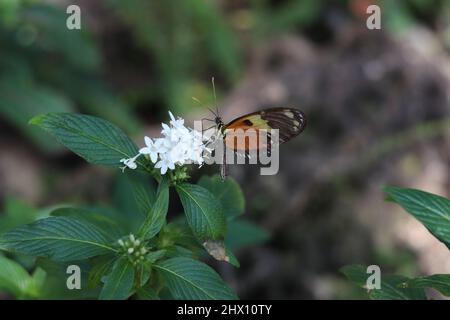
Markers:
219,124
218,121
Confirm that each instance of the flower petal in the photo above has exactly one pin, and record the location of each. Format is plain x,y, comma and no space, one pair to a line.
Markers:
148,141
145,150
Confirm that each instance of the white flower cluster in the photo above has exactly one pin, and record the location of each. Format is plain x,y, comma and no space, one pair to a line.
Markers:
178,145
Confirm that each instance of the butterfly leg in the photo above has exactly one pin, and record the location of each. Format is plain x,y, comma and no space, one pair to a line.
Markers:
223,167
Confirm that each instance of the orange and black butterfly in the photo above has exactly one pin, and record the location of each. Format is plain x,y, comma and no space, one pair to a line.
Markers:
289,122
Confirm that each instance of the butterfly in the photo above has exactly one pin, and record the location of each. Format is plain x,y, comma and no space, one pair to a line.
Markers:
290,122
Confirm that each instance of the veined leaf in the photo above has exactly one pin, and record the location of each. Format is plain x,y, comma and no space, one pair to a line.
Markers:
439,282
129,198
204,212
102,266
228,192
94,139
143,191
144,272
110,228
153,256
430,209
119,283
147,293
193,280
58,238
156,217
391,287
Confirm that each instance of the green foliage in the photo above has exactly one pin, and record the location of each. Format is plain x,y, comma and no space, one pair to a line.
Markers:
44,68
17,213
440,282
190,279
119,283
156,216
94,139
192,29
131,250
204,212
391,286
21,100
433,212
227,192
15,280
58,238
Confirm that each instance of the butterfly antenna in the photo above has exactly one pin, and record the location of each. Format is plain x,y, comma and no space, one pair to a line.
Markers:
214,113
215,97
214,89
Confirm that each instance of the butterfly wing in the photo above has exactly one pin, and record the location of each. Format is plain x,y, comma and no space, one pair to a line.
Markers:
289,121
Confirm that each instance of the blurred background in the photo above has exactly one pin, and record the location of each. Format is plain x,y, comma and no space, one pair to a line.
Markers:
377,103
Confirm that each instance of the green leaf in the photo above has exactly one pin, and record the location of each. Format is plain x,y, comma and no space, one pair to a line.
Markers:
56,281
193,280
391,289
108,226
94,139
356,273
232,258
147,293
156,217
144,271
228,192
242,233
153,256
178,231
14,279
143,191
179,251
58,238
391,286
430,209
133,196
102,266
439,282
119,283
204,212
36,285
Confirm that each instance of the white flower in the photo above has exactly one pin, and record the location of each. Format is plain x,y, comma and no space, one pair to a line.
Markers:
166,131
152,149
165,163
177,154
179,123
130,162
179,145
